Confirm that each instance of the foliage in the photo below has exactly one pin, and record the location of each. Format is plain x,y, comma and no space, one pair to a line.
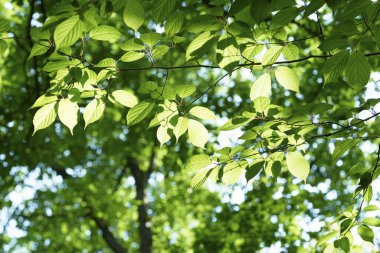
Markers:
291,76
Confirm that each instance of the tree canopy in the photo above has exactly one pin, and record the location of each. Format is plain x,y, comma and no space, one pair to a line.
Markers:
189,126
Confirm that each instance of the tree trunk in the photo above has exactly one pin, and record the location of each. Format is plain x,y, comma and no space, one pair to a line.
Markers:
141,180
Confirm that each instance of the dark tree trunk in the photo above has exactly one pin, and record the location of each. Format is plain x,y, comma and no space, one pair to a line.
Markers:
141,181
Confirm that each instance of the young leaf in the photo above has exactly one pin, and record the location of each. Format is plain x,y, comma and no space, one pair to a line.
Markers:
197,43
139,112
93,111
324,239
298,165
125,98
44,117
39,48
198,134
290,52
202,112
43,100
184,90
261,87
133,14
287,78
68,113
198,162
271,55
162,135
132,56
357,70
370,221
106,63
68,32
366,233
105,32
261,104
181,127
232,172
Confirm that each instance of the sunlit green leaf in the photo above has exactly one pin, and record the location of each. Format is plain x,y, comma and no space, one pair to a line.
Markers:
44,117
261,87
93,111
288,78
202,112
68,32
68,113
139,112
133,14
198,134
125,98
298,165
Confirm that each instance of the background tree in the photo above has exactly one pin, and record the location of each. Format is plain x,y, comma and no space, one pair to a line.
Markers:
165,81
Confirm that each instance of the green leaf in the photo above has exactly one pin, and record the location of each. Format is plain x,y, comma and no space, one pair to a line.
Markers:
184,91
174,23
68,32
197,43
181,127
330,249
271,55
324,239
366,233
105,32
133,14
159,51
93,111
202,112
162,135
228,54
343,243
261,87
261,104
260,10
287,78
162,9
334,66
370,221
139,112
150,39
198,134
341,147
4,25
232,172
370,208
106,63
313,7
357,70
39,48
125,98
132,56
290,52
284,16
44,100
198,162
133,45
68,113
298,165
44,117
3,47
